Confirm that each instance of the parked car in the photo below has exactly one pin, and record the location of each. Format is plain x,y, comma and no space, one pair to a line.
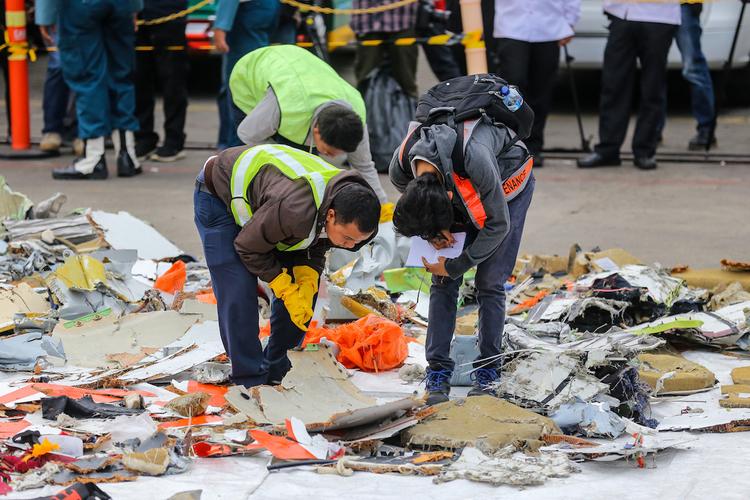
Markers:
199,29
719,20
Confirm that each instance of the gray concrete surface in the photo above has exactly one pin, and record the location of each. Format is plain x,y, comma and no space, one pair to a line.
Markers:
682,213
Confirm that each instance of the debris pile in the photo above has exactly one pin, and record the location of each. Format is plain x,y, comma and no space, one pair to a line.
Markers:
113,370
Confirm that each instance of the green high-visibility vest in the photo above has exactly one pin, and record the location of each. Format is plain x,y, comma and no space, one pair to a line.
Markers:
291,162
301,82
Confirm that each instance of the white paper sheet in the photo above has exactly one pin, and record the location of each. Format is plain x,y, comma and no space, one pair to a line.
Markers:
421,248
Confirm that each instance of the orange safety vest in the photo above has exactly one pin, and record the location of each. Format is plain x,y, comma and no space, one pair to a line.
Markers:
512,186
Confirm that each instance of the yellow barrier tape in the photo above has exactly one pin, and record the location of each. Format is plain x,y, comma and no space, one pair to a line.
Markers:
471,39
15,18
328,10
175,15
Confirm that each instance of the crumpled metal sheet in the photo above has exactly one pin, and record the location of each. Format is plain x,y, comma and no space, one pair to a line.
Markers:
592,419
544,336
547,380
22,352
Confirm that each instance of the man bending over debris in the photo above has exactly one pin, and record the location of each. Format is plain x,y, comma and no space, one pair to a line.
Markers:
292,97
271,212
485,193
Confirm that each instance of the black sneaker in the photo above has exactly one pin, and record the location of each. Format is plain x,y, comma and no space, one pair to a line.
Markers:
485,380
144,149
167,154
438,386
701,141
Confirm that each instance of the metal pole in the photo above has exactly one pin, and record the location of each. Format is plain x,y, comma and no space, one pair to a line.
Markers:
585,143
471,17
18,69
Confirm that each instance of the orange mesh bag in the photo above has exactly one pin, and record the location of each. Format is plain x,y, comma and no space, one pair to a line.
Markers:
371,343
173,280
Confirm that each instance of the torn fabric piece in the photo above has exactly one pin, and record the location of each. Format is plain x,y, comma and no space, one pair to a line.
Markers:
81,408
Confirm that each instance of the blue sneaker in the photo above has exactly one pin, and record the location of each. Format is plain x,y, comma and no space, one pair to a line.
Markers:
484,380
438,386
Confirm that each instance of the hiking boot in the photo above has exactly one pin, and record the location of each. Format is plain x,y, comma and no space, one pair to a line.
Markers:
438,386
166,154
484,382
51,142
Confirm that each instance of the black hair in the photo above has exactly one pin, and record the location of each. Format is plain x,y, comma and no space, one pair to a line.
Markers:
340,127
357,203
424,209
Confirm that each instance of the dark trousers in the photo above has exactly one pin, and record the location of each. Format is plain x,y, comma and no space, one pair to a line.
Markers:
254,23
628,42
532,67
57,101
236,291
165,67
443,61
403,60
490,283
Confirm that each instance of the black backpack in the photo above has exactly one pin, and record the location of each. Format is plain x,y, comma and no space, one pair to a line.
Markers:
467,98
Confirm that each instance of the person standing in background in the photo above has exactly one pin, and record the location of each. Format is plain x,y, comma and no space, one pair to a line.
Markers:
638,32
528,37
96,44
241,26
165,64
695,71
390,24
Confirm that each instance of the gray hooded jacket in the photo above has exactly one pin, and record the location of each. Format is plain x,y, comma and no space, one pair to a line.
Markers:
486,169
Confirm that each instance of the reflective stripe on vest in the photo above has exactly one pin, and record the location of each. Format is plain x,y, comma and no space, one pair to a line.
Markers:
471,199
291,162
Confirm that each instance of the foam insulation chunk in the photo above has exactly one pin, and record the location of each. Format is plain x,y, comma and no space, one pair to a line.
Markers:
673,374
483,422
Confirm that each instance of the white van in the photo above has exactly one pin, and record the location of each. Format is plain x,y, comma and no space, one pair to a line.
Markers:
719,21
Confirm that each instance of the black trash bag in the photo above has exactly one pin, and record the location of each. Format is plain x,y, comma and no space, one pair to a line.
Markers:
389,111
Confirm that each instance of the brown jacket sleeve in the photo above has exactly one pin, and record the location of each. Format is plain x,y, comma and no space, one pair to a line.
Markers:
269,225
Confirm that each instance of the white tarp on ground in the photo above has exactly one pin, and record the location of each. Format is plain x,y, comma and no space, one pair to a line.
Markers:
713,467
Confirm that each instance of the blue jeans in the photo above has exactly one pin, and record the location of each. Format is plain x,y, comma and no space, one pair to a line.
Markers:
694,66
236,291
57,95
96,51
254,23
490,283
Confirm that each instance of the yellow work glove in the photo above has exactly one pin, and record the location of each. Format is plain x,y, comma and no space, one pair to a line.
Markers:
282,285
386,212
306,278
300,310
